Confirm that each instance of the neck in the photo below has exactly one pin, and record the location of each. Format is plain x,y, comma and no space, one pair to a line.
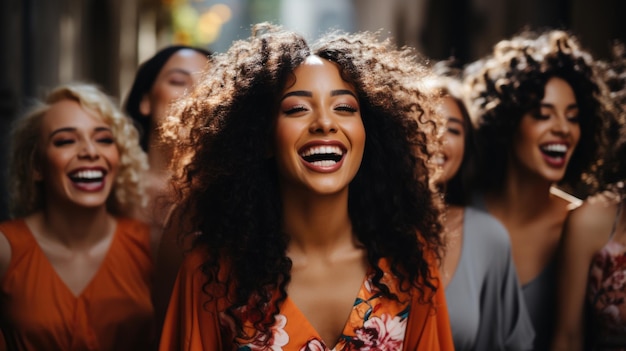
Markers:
317,223
159,154
522,196
75,228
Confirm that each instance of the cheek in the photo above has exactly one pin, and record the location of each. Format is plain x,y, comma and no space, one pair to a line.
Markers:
163,96
285,135
576,133
356,133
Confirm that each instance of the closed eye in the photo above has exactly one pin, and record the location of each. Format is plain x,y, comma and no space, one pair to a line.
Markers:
454,131
63,142
346,108
107,140
295,109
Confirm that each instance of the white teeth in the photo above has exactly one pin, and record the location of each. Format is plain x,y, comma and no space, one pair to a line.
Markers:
88,174
439,160
555,148
322,150
324,163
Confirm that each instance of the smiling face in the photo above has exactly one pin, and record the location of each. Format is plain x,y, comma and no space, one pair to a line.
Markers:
79,156
545,140
179,73
453,148
319,134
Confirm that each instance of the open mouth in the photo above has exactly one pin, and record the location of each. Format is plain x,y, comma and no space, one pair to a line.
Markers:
322,156
554,151
92,176
439,159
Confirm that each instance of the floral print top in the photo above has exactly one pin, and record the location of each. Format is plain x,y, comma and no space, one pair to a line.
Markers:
376,323
607,296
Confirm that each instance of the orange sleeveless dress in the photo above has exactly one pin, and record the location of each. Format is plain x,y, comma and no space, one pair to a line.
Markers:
194,322
113,312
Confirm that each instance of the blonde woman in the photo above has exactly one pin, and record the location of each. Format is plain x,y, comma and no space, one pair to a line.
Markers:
75,272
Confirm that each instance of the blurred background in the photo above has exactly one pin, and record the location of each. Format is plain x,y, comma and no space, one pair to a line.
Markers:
44,43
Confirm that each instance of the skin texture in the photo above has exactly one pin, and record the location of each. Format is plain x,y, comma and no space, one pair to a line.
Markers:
556,125
453,150
323,250
525,187
181,71
586,231
75,140
74,228
453,140
589,227
531,175
178,75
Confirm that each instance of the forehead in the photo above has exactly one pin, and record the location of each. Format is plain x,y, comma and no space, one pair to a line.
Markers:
316,73
558,89
69,113
186,59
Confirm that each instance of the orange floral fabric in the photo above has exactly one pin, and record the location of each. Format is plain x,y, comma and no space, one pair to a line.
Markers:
194,322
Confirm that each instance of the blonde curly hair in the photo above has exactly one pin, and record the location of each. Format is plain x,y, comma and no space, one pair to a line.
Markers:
26,194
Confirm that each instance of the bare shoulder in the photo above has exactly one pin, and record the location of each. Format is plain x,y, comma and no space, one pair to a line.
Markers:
592,221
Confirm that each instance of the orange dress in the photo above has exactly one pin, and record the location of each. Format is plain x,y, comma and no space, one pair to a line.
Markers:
113,312
194,321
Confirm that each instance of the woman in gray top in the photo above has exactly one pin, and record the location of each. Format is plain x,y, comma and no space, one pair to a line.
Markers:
537,104
487,311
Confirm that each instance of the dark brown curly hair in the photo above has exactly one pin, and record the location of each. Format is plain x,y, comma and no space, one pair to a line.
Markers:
227,185
612,172
510,82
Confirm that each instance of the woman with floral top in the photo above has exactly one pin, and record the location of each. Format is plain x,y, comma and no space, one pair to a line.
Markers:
308,187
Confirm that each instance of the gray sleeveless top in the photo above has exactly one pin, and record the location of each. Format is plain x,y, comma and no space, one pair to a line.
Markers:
485,303
539,297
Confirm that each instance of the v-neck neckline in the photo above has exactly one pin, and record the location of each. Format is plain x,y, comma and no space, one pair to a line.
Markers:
345,330
56,275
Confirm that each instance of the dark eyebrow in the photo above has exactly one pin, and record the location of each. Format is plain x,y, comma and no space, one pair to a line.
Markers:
456,120
179,70
297,93
573,106
342,92
72,129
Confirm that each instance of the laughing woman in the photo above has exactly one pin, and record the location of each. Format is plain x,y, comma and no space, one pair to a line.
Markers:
537,103
74,272
315,225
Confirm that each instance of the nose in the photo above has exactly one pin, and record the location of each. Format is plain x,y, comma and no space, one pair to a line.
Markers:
561,125
88,150
323,123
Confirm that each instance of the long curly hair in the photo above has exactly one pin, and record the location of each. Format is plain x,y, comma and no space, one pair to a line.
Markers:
27,195
510,82
227,186
612,173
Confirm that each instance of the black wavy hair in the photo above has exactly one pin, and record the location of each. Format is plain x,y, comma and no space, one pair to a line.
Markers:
227,186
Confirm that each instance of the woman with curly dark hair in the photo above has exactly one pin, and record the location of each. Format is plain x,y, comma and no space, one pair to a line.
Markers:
306,182
485,303
537,103
594,241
